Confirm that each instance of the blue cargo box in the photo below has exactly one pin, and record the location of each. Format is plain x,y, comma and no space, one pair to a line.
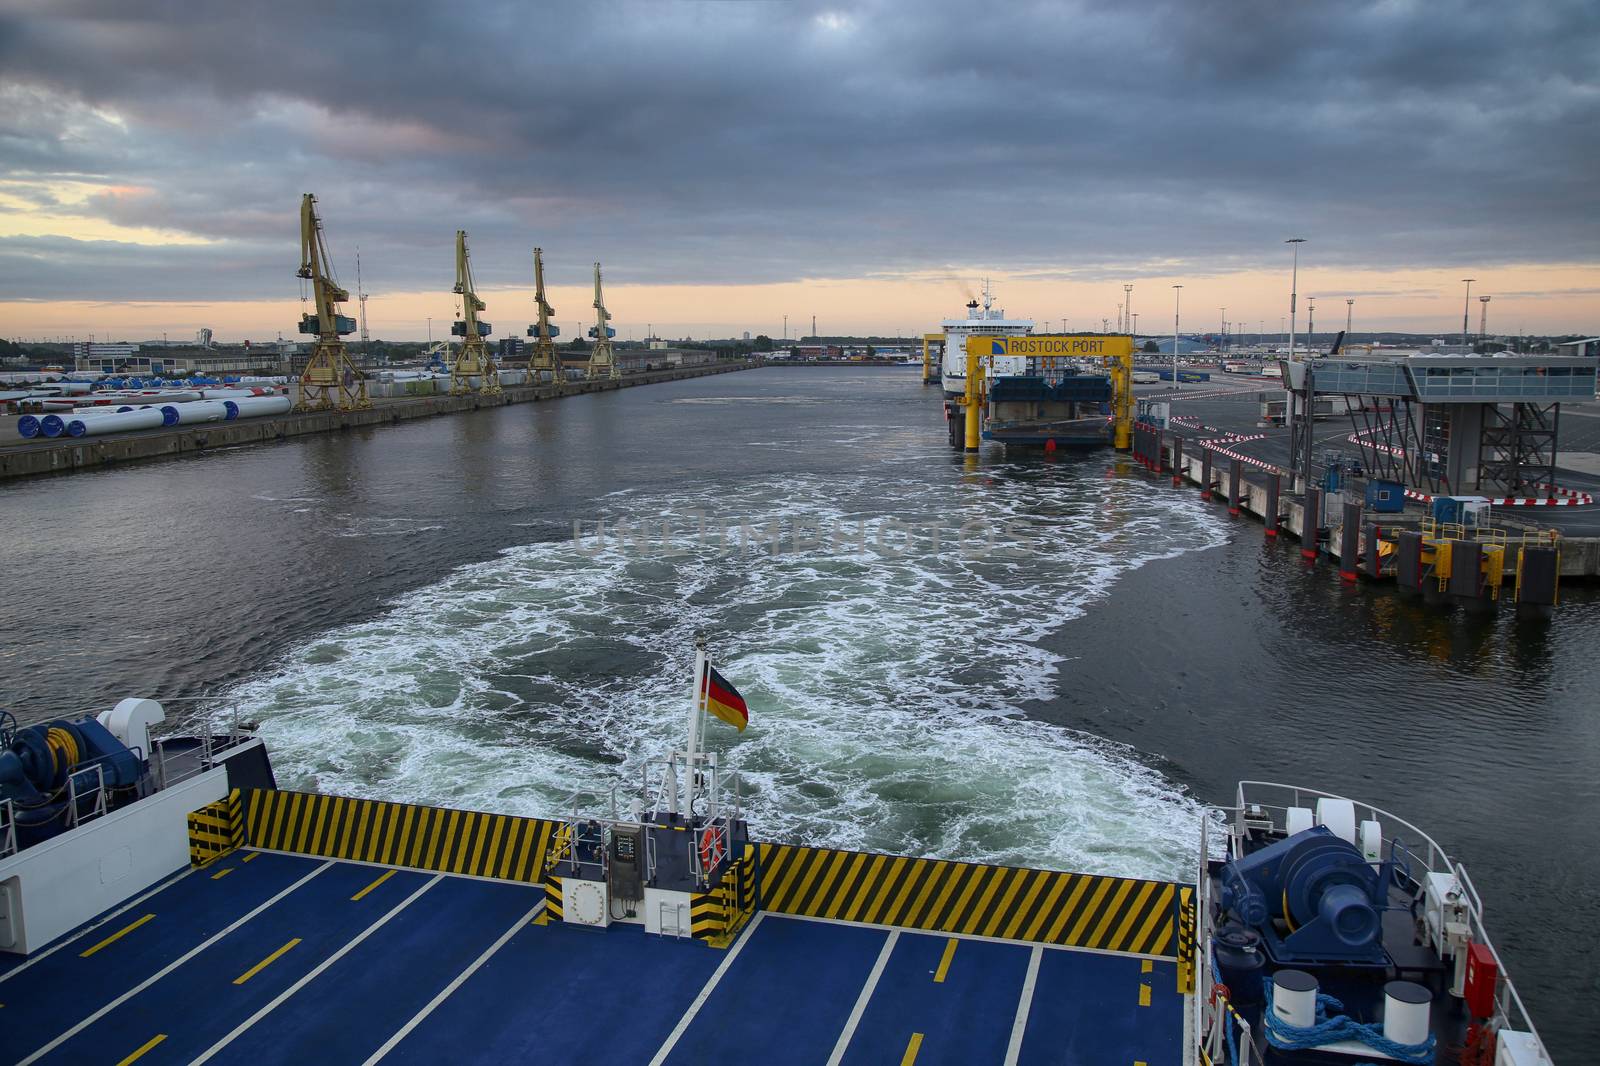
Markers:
1386,497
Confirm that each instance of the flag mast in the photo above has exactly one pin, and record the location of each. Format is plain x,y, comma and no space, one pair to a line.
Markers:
696,722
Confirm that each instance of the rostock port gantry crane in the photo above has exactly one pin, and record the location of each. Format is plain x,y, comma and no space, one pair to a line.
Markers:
473,360
544,347
602,364
329,380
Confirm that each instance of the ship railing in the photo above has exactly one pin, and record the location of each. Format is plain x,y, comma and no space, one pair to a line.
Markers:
1251,797
8,829
96,794
207,726
1222,1036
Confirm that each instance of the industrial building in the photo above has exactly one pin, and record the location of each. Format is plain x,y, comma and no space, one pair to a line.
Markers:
146,361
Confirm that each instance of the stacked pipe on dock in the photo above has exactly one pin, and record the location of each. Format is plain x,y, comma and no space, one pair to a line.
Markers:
181,408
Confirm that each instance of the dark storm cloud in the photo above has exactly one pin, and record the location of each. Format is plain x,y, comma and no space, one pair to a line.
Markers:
729,142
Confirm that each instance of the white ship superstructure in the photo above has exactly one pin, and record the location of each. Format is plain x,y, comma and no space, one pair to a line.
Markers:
986,320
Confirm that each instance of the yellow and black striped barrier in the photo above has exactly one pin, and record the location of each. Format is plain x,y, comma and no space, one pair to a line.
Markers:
216,829
1186,919
1041,906
553,910
717,916
501,846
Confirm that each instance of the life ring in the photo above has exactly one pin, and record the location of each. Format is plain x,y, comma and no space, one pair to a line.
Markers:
711,850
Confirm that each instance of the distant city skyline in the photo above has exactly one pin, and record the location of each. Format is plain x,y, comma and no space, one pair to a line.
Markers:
866,162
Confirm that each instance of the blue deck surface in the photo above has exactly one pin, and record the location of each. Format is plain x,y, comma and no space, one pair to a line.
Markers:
173,987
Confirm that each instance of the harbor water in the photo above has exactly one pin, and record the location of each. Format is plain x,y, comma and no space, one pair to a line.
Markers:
1037,662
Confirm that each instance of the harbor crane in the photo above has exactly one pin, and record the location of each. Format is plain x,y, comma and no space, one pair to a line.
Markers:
330,380
473,359
544,356
602,364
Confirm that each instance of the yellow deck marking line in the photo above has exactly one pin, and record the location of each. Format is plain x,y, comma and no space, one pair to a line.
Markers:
254,855
381,879
220,874
152,1042
168,968
264,963
913,1046
1146,966
944,960
1019,1024
114,937
843,1043
75,937
1144,995
320,968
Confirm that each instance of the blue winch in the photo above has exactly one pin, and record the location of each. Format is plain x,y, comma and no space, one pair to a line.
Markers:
1324,891
45,768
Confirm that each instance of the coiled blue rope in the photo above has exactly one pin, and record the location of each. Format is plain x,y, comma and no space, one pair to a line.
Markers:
1332,1025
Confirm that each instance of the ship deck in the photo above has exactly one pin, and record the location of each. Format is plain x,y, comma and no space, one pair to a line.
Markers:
267,958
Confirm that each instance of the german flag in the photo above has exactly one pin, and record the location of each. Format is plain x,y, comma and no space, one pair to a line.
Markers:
723,700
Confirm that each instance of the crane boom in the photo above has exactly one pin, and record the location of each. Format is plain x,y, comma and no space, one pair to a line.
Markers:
601,361
329,378
473,359
543,357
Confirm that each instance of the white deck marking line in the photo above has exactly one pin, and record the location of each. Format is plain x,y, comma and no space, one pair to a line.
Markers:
705,993
86,930
1024,1005
321,967
860,1008
450,989
976,936
168,968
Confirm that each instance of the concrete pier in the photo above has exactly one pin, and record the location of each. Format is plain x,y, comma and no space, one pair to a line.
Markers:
26,458
1580,556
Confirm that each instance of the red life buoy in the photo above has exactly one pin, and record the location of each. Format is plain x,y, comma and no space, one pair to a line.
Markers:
710,848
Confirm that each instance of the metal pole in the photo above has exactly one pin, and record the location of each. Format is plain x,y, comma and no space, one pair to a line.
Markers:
1466,313
1349,313
694,724
1128,321
1177,297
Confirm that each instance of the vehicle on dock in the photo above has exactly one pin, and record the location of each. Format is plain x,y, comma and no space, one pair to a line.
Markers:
142,874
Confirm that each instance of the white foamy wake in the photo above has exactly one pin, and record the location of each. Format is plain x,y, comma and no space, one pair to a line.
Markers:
885,685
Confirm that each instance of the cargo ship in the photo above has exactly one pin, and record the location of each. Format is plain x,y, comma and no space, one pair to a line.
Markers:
162,900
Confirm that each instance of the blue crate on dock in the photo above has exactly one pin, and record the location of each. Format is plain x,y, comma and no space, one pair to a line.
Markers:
1385,497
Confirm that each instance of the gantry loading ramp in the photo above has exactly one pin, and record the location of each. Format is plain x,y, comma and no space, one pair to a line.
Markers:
329,380
1444,424
1043,351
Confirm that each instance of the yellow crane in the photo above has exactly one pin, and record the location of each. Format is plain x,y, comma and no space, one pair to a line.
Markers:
544,346
329,380
473,359
601,362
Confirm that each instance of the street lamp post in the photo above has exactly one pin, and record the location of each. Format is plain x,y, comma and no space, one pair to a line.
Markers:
1177,301
1294,288
1349,313
1222,339
1127,290
1466,313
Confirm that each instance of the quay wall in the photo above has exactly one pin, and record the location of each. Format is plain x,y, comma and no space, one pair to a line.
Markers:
57,456
1580,556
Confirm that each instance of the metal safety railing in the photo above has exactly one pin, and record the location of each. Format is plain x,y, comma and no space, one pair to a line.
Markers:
8,829
188,743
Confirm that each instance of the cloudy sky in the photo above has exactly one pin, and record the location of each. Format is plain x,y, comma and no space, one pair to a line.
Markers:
732,162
